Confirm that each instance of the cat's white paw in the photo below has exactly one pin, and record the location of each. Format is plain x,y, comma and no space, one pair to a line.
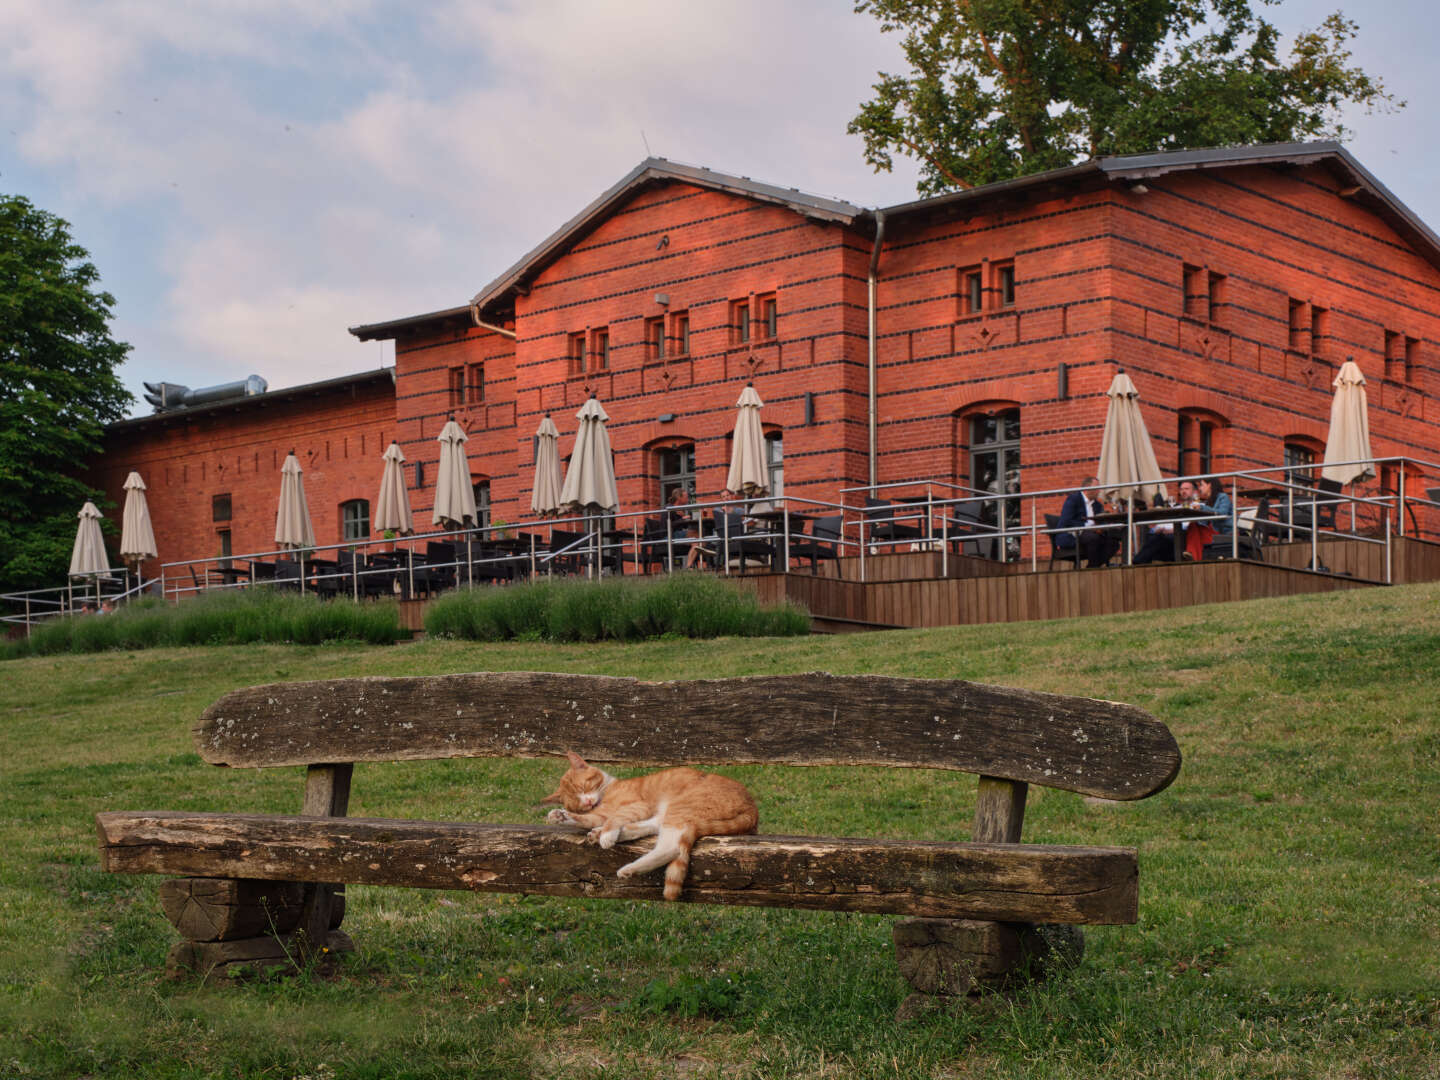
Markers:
593,836
608,838
625,871
558,816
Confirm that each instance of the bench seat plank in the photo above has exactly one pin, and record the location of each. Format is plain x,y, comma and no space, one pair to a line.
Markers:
1003,882
1100,748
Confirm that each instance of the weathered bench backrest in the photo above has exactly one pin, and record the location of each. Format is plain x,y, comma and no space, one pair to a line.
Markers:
1099,748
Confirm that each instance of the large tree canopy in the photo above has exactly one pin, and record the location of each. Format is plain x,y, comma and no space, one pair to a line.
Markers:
58,387
1001,88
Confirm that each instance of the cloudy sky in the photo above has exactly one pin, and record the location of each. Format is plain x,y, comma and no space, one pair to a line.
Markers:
252,177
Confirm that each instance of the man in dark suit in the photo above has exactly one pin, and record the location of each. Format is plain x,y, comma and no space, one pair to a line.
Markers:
1096,546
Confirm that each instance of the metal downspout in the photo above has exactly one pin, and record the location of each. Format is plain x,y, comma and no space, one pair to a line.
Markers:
873,392
475,317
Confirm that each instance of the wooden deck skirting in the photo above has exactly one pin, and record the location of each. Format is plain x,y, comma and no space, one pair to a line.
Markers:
907,590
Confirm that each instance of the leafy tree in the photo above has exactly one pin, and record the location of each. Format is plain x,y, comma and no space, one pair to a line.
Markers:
1000,88
58,387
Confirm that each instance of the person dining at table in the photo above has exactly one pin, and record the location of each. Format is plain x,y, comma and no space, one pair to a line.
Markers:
1159,543
1096,546
1210,497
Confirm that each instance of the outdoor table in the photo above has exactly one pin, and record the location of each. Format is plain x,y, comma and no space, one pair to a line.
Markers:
775,524
231,575
1150,516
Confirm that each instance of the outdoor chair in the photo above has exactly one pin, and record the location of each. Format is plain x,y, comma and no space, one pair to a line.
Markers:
885,524
739,549
967,528
1326,503
823,541
261,572
652,547
1249,539
1057,553
436,571
353,577
287,574
568,551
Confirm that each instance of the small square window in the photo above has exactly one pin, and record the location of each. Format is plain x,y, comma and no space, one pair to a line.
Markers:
740,321
682,333
655,338
972,291
769,316
355,519
220,507
1005,284
577,354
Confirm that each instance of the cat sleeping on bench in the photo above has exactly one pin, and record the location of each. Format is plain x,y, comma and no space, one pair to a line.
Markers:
676,806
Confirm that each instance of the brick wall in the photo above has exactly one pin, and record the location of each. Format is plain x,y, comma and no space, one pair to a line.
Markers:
1231,296
186,460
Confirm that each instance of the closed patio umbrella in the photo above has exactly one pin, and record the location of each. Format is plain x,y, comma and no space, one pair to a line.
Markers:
454,493
748,474
545,492
88,556
137,536
292,518
392,508
590,480
1349,437
1127,460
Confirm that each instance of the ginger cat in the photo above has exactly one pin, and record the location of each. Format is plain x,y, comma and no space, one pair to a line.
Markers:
677,806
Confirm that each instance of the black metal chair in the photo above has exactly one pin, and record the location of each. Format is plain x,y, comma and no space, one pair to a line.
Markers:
568,551
287,574
885,524
970,533
1060,554
737,547
358,575
1325,501
436,571
1249,543
652,547
823,541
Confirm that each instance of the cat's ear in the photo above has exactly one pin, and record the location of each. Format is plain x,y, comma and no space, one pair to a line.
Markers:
576,761
554,798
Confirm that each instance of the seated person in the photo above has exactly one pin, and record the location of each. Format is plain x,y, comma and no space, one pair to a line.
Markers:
1213,500
1096,545
1159,545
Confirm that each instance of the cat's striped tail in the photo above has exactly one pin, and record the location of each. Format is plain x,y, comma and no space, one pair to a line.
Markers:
680,864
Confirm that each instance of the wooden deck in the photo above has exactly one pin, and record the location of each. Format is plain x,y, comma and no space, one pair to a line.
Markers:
908,589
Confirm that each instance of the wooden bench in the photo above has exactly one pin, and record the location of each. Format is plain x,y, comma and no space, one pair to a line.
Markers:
973,905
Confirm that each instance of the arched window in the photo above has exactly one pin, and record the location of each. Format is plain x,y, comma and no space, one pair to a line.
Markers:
355,520
673,466
1299,454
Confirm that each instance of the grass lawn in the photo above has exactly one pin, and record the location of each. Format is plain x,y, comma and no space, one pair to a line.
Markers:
1290,878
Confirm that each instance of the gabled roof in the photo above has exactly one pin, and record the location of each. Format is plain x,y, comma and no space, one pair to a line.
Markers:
384,331
1357,182
652,171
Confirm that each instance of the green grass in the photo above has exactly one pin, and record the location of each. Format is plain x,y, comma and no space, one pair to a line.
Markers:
616,609
239,617
1289,900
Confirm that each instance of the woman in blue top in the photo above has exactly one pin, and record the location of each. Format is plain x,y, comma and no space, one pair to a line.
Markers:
1217,502
1199,533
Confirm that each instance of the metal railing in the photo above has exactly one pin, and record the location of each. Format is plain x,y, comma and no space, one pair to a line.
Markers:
947,518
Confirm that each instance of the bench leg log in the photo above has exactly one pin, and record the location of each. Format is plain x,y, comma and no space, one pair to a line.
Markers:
233,924
964,957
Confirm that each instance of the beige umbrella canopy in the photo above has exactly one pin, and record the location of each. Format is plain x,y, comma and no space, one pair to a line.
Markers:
748,474
454,493
545,493
590,480
88,556
1349,438
137,537
1127,460
392,508
292,518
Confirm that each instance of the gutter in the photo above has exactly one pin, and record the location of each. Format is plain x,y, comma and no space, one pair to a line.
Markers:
483,325
873,392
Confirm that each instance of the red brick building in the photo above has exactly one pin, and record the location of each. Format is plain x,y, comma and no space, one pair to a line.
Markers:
960,338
